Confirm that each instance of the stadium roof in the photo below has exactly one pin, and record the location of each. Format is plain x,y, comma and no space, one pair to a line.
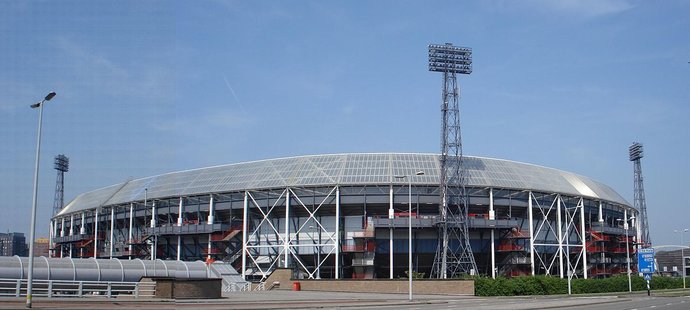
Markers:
342,169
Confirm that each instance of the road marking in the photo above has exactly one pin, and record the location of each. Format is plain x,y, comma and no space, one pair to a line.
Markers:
652,306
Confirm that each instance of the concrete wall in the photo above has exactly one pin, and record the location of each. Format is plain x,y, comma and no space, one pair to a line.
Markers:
171,288
164,287
419,286
198,288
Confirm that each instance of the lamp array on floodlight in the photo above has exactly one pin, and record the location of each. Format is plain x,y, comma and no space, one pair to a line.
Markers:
449,58
62,163
635,151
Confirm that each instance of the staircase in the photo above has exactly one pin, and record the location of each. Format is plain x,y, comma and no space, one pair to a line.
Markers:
232,280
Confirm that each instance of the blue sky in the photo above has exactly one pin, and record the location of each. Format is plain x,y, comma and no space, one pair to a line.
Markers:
147,87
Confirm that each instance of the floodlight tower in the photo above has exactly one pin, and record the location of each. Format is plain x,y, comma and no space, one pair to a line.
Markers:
62,166
640,204
453,254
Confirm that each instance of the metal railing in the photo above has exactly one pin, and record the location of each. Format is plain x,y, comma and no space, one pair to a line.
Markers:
260,287
236,287
247,287
60,288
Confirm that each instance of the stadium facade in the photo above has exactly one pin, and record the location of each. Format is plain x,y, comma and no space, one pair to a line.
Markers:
346,216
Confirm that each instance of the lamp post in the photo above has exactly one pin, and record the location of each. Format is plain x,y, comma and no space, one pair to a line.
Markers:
682,251
409,229
627,248
29,285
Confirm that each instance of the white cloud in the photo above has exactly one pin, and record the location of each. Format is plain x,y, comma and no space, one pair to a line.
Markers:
234,95
202,124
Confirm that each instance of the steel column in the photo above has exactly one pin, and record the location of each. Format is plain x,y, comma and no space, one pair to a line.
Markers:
51,235
54,233
179,212
492,216
583,237
560,235
153,214
153,225
245,231
211,211
82,229
95,234
531,231
208,249
391,216
112,231
131,228
627,251
337,233
179,223
286,240
179,247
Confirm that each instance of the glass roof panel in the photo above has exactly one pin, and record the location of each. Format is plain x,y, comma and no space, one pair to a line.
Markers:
342,169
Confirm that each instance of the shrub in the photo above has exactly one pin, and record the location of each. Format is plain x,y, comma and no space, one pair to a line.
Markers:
550,285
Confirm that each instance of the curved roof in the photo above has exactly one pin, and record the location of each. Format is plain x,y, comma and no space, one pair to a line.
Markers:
342,169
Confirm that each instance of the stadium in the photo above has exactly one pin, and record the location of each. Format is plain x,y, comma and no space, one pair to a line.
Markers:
345,216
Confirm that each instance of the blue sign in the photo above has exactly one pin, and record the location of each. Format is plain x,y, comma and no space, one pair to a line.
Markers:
645,260
648,276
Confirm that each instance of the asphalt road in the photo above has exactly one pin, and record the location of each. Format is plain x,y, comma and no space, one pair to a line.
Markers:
333,300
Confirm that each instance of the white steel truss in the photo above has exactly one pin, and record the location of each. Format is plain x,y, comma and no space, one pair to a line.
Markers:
575,238
265,247
557,236
252,244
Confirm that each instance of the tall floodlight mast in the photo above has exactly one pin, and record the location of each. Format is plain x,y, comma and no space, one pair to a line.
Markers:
453,254
62,166
640,204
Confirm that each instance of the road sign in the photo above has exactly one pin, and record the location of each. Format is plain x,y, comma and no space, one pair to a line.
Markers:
645,260
648,276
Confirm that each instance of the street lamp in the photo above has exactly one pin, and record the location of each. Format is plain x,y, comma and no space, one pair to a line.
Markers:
682,250
409,228
627,246
29,285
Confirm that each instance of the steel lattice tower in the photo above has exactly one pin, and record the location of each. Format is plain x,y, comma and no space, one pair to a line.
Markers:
454,254
640,204
62,166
